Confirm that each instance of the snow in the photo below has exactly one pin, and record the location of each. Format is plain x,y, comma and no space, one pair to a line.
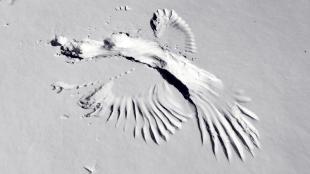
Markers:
262,47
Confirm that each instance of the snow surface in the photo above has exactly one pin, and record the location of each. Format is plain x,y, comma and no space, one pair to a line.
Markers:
262,47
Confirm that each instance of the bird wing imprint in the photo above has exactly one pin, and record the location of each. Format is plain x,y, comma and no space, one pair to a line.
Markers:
154,114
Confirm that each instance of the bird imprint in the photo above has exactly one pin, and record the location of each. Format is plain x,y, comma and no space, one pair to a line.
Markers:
156,114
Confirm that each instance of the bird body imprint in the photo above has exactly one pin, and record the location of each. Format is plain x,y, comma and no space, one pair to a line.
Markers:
155,115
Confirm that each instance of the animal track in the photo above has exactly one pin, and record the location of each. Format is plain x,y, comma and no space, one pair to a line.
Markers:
122,8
